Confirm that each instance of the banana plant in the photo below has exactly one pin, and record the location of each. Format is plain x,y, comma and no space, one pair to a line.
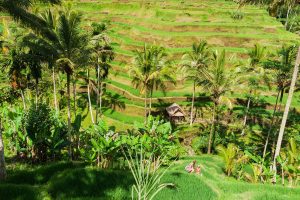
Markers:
105,143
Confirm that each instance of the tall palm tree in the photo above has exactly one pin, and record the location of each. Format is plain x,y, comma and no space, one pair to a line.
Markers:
282,69
164,72
218,82
286,111
145,72
51,18
67,48
195,65
140,73
255,74
102,54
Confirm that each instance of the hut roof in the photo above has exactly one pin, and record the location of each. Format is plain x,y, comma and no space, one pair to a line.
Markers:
175,110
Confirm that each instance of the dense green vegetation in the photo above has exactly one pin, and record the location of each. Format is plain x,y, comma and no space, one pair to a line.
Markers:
149,99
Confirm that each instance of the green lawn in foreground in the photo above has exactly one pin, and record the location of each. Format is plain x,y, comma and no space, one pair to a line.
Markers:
80,181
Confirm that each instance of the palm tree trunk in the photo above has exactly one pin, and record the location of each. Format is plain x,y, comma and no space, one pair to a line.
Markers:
54,90
246,116
2,158
98,88
287,17
69,113
100,98
286,111
192,108
23,99
74,95
150,102
89,97
145,105
212,130
36,92
69,101
271,125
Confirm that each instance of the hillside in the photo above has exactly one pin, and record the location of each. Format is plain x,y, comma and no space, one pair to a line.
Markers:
176,25
78,181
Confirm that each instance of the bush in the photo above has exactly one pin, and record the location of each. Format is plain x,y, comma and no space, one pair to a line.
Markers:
46,131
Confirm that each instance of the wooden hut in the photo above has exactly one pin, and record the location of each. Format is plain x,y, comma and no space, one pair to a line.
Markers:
175,113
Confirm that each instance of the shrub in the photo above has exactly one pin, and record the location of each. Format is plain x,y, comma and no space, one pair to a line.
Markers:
46,131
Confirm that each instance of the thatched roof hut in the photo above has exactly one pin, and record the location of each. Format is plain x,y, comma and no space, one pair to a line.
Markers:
176,114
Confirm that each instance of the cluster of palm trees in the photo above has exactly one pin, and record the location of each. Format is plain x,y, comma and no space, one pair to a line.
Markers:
55,41
217,76
151,70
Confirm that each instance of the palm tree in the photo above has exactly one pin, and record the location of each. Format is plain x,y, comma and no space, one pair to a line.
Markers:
67,48
218,82
282,69
142,72
286,111
102,54
163,70
195,66
51,19
255,74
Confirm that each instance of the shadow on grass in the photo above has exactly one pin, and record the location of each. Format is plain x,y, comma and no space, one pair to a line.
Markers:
20,192
39,175
90,182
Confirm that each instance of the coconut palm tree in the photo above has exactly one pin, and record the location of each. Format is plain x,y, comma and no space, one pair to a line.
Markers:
286,111
281,70
195,65
67,48
219,81
147,69
164,72
102,54
255,74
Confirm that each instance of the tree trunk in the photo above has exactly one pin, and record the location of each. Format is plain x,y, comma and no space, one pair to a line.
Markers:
89,97
74,96
54,90
100,98
287,17
145,106
98,92
69,113
23,99
271,125
286,112
36,92
212,130
150,102
192,108
2,158
246,116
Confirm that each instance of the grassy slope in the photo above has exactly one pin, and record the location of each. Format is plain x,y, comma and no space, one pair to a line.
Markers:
78,181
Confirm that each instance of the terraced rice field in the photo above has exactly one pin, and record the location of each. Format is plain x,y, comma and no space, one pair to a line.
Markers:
176,25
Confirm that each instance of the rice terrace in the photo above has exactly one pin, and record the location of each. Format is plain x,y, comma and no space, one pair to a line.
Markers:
149,99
